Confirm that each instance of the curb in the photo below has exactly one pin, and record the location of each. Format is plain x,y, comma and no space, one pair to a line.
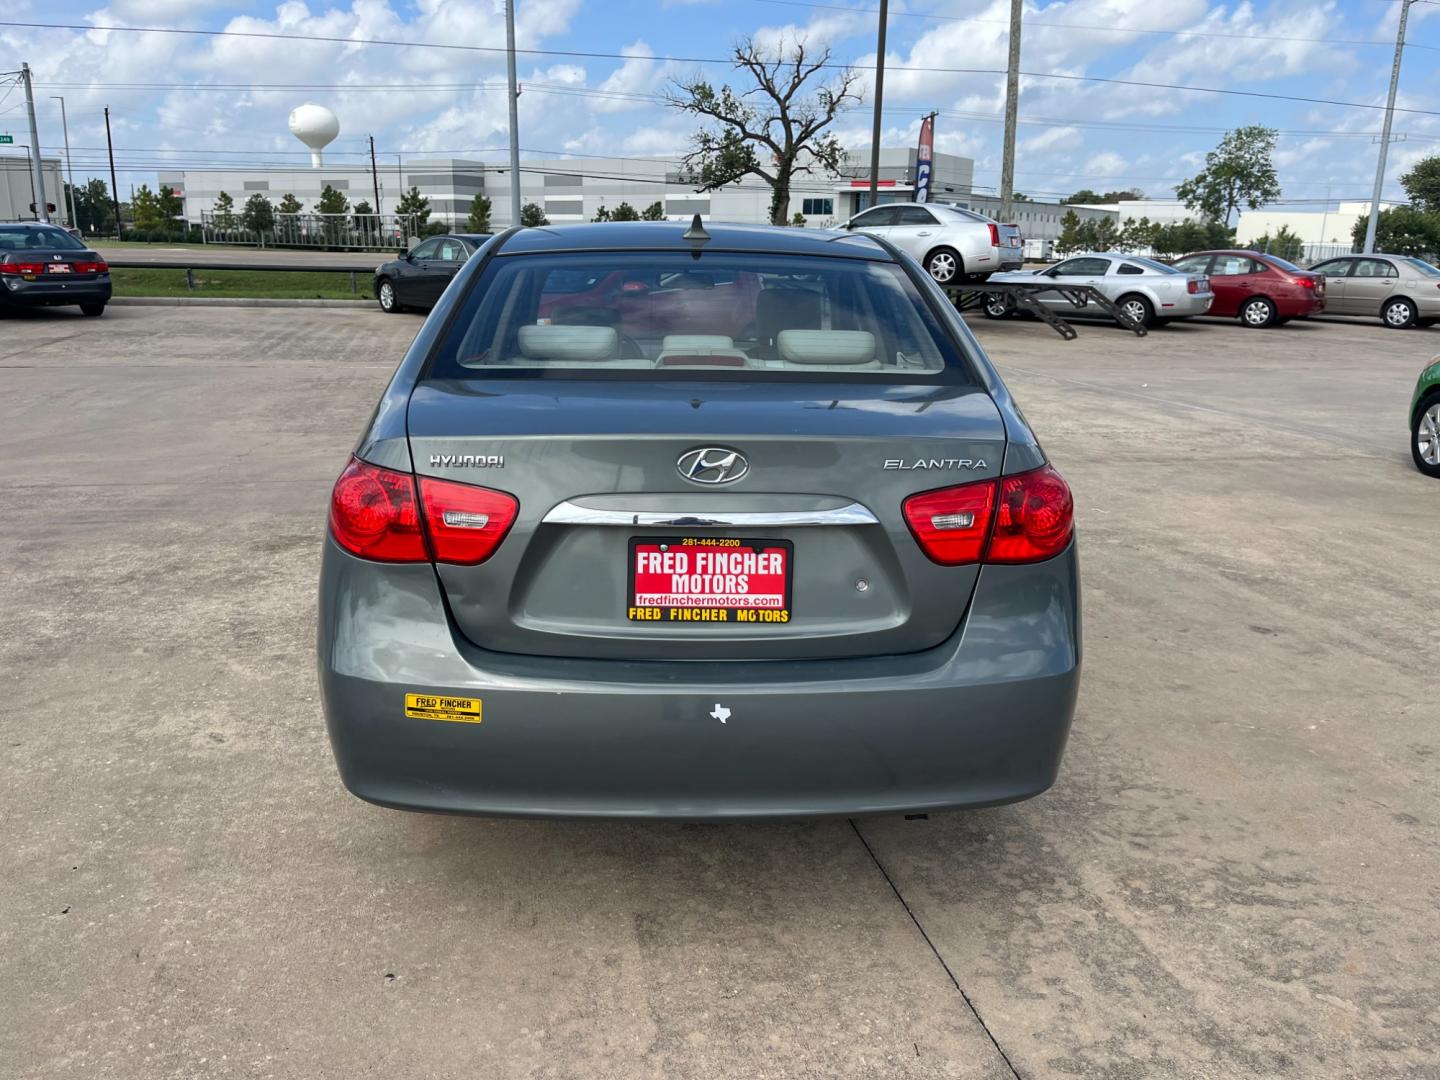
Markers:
236,301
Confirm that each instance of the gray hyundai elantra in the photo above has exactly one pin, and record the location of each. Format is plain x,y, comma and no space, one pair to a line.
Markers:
705,522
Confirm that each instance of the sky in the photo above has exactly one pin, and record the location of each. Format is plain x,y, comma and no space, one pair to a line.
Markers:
195,100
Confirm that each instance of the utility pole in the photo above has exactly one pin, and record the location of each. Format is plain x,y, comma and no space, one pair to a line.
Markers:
1012,113
114,187
37,177
514,113
69,168
879,100
374,174
1385,130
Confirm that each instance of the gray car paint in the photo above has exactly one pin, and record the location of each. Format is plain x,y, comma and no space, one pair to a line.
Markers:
967,704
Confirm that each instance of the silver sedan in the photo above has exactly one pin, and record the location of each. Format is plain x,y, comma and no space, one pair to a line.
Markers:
1147,291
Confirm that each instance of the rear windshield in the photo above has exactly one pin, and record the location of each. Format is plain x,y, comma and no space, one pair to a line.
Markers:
28,238
1424,267
1285,264
968,215
1158,267
660,315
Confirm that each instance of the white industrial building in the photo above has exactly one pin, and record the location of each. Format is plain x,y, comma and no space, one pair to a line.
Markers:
17,189
1323,226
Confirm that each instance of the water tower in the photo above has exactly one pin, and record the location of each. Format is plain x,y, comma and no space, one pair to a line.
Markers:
315,126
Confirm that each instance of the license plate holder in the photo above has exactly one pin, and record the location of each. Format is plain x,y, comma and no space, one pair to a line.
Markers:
59,268
709,581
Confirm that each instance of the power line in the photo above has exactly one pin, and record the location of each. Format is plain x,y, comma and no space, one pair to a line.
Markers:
581,54
1087,26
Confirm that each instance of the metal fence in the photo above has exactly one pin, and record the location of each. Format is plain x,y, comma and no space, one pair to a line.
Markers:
322,232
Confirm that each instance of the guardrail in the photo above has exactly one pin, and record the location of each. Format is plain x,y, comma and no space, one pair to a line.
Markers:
191,267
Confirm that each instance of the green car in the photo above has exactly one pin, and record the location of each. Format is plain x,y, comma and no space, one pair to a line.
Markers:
1425,420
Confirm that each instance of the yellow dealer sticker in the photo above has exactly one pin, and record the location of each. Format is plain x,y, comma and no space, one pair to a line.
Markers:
460,710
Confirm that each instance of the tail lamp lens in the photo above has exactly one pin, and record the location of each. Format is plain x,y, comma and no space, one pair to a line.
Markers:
1305,282
377,514
374,514
466,523
994,234
22,268
1016,519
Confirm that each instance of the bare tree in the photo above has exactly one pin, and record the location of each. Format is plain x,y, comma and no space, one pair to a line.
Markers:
771,130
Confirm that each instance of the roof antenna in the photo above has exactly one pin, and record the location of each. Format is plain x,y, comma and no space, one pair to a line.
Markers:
696,234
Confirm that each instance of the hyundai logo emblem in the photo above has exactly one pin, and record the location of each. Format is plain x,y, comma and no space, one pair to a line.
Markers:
712,465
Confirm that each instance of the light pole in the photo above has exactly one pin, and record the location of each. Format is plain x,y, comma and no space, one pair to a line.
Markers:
37,176
879,99
69,168
1385,130
515,112
1012,113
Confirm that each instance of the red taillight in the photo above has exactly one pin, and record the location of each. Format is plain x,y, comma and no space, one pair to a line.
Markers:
374,514
994,234
1017,519
101,267
1192,286
1305,282
22,268
1035,518
465,523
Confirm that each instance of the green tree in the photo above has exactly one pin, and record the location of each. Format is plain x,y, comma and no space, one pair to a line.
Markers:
1422,184
1284,244
412,202
532,216
1107,234
145,208
774,128
289,204
798,221
258,215
625,212
171,206
1089,235
1239,172
479,219
1177,238
363,208
1401,230
602,214
1137,235
94,208
654,212
224,215
332,202
1069,239
1084,195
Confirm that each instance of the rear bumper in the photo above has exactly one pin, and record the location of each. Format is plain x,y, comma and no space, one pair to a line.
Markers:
43,292
1185,306
979,720
1298,307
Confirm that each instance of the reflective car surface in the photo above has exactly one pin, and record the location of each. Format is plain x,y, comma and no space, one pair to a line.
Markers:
44,266
1400,291
1148,292
1259,290
418,277
953,244
766,536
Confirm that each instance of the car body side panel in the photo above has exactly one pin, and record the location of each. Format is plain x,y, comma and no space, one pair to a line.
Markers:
980,719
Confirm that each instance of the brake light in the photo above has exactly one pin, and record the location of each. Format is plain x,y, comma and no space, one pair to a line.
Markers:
1192,286
1017,519
994,234
466,523
22,268
1305,282
374,514
1035,518
101,267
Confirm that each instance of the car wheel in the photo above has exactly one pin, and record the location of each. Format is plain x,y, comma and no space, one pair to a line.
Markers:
996,306
93,310
1137,309
1257,313
944,266
1398,314
385,293
1425,436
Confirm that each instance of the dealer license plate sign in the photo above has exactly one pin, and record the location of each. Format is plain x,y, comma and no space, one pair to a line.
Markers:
705,580
59,268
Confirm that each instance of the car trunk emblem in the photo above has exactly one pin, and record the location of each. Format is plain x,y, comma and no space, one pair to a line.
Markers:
712,465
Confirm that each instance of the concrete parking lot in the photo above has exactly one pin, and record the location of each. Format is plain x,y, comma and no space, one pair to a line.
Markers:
1237,875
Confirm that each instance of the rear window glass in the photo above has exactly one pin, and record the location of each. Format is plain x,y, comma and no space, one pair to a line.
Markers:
1424,267
1284,264
25,238
1151,264
658,315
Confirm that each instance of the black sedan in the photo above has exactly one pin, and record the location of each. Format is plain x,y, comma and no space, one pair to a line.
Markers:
418,277
44,266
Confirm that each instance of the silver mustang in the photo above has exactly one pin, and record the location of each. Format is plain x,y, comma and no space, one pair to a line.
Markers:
656,522
1149,292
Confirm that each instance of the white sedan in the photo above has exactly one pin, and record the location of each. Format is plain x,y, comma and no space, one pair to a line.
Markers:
953,244
1148,292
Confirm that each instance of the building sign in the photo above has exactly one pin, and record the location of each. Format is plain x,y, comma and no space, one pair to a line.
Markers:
924,157
878,183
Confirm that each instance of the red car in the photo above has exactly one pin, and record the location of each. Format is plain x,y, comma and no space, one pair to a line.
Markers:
1262,290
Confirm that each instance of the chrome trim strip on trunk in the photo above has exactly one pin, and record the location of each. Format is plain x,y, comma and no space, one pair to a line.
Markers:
567,513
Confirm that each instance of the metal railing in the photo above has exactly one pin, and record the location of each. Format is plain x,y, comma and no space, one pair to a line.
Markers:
204,267
318,232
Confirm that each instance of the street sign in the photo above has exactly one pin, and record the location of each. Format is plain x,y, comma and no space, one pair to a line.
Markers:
7,140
